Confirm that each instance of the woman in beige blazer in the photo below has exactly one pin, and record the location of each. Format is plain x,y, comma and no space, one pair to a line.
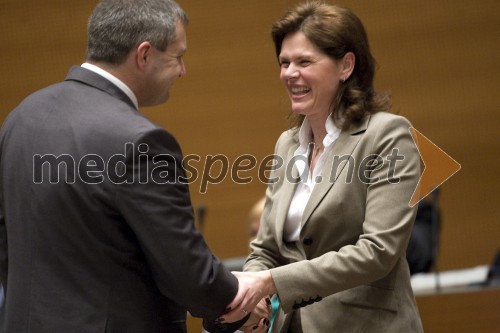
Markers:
337,218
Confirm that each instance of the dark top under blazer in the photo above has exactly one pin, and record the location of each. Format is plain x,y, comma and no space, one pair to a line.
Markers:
103,251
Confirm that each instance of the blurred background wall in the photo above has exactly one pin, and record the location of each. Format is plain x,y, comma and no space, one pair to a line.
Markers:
440,60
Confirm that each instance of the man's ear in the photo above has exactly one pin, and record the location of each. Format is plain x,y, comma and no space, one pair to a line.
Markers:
348,62
143,54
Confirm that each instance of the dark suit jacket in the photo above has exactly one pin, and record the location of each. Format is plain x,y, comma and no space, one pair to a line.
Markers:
100,238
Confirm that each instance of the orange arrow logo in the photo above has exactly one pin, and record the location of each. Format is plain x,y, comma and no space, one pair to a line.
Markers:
438,166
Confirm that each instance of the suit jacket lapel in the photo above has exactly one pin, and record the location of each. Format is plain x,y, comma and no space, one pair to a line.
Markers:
287,190
341,150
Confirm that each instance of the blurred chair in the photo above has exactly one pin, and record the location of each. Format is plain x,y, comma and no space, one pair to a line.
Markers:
424,241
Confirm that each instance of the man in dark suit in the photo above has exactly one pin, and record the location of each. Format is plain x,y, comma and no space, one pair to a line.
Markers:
96,223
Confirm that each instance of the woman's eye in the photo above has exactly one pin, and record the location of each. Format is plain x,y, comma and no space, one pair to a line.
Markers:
284,64
305,62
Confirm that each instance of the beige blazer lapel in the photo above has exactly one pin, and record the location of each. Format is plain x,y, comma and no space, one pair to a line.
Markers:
341,151
290,180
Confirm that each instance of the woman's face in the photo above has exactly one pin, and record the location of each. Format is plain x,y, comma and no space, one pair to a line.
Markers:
310,76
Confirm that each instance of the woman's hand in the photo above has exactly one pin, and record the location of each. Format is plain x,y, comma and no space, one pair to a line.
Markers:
260,318
253,287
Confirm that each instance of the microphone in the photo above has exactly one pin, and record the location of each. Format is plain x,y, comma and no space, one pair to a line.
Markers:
201,210
435,220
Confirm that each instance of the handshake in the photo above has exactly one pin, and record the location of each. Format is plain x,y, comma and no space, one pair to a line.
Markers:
250,310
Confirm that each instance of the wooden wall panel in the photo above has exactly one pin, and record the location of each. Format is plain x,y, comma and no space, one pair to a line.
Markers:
461,311
439,59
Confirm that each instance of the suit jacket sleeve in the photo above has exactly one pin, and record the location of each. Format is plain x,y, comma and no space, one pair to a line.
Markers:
155,203
214,327
3,238
3,246
386,228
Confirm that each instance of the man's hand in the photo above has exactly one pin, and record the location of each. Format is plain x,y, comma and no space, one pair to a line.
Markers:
261,327
253,287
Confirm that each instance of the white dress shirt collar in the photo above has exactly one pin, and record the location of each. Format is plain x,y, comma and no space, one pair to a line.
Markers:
306,135
306,140
116,81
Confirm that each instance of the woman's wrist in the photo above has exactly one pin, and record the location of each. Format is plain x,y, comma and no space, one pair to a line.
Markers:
269,283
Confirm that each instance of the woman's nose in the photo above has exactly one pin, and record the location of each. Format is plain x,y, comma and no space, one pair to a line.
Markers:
291,72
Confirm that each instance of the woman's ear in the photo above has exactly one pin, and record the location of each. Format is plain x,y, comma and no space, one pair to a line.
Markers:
347,66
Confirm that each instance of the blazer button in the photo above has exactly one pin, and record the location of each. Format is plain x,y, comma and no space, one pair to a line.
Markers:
307,241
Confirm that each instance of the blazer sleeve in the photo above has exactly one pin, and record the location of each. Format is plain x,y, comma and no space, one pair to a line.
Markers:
155,203
386,228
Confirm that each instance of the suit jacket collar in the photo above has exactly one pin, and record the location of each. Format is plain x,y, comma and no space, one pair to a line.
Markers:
85,76
343,146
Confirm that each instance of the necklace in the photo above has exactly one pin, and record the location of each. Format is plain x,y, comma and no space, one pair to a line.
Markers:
316,151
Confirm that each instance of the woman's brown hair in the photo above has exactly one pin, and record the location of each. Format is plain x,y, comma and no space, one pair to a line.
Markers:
336,31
